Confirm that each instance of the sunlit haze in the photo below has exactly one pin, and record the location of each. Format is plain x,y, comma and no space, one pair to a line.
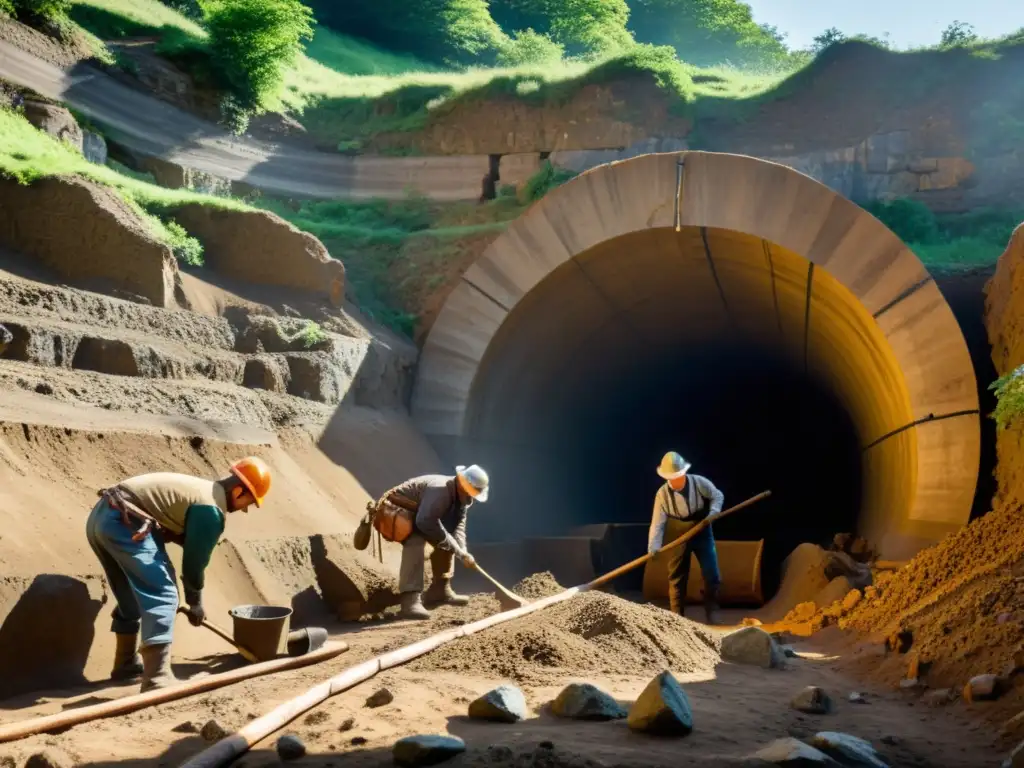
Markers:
910,23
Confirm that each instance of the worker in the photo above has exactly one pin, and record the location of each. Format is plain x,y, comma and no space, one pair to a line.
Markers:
441,503
128,529
690,499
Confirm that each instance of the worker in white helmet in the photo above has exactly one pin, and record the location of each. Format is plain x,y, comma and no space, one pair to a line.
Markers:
689,498
441,503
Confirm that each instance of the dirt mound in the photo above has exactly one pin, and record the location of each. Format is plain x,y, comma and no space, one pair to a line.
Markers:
261,247
803,577
590,633
101,239
538,585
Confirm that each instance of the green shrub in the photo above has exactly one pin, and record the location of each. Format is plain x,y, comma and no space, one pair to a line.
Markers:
7,8
1009,391
253,42
49,10
185,248
910,219
529,47
191,9
311,336
543,181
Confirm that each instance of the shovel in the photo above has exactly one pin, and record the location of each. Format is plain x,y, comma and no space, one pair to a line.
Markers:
508,600
300,641
246,653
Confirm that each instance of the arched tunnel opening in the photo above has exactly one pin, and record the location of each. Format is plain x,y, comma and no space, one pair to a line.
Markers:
847,392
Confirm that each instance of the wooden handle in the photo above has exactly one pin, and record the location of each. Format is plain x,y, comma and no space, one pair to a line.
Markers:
246,653
602,580
508,593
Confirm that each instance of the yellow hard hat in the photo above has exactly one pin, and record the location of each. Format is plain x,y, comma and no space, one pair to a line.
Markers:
672,466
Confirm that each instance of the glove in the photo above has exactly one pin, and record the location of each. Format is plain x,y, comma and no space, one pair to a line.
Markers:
468,560
196,614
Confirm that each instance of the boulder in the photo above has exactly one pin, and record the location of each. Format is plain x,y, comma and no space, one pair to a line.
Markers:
848,750
662,709
812,700
984,688
415,751
290,747
55,120
793,753
379,698
754,646
504,704
583,701
94,147
213,731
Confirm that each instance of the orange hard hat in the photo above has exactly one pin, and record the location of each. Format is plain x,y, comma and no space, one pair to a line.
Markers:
254,474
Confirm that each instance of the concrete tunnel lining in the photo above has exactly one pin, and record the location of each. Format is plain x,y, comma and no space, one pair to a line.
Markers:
595,284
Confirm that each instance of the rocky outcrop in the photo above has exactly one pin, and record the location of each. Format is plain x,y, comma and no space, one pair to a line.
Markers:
54,120
260,247
86,233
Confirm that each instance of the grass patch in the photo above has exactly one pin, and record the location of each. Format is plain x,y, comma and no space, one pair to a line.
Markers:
27,154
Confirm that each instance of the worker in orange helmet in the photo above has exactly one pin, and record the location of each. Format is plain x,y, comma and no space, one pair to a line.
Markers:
128,529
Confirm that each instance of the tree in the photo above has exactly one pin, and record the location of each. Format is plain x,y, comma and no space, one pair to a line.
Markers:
580,26
958,33
456,31
827,39
708,32
529,47
252,42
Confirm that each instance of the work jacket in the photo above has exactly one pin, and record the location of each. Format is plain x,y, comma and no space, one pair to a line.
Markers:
440,513
698,499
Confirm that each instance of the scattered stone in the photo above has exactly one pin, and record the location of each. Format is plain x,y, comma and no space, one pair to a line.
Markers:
347,725
50,758
187,727
379,698
415,751
290,747
317,718
504,704
984,688
583,701
848,750
754,646
792,753
939,697
213,731
856,697
663,709
358,741
812,700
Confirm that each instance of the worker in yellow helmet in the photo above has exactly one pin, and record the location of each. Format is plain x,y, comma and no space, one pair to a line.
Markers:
689,498
127,530
441,503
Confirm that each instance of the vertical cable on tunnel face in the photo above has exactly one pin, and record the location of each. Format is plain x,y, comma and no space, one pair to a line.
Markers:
807,311
775,291
680,166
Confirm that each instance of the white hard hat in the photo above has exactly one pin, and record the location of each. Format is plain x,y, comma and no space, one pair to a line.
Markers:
477,480
673,466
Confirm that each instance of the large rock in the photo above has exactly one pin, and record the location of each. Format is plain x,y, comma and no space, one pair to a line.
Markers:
504,704
663,709
415,751
848,750
985,688
352,583
261,247
813,701
754,646
583,701
94,147
100,239
792,753
54,120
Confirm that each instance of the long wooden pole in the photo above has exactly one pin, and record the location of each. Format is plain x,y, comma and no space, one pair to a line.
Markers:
226,750
128,704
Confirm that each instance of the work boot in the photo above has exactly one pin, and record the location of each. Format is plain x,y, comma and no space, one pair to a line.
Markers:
711,605
440,592
156,663
676,602
412,607
127,662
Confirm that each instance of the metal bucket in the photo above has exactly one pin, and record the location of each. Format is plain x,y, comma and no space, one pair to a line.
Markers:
262,629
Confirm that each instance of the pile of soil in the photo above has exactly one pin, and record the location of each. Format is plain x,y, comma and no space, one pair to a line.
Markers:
802,578
591,633
538,585
962,600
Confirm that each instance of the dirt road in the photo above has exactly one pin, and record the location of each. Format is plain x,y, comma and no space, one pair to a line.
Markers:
148,125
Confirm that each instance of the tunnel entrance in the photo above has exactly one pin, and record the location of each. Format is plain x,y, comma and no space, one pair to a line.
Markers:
731,309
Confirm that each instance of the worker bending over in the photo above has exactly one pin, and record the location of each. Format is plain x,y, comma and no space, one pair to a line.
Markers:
127,530
441,503
689,498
